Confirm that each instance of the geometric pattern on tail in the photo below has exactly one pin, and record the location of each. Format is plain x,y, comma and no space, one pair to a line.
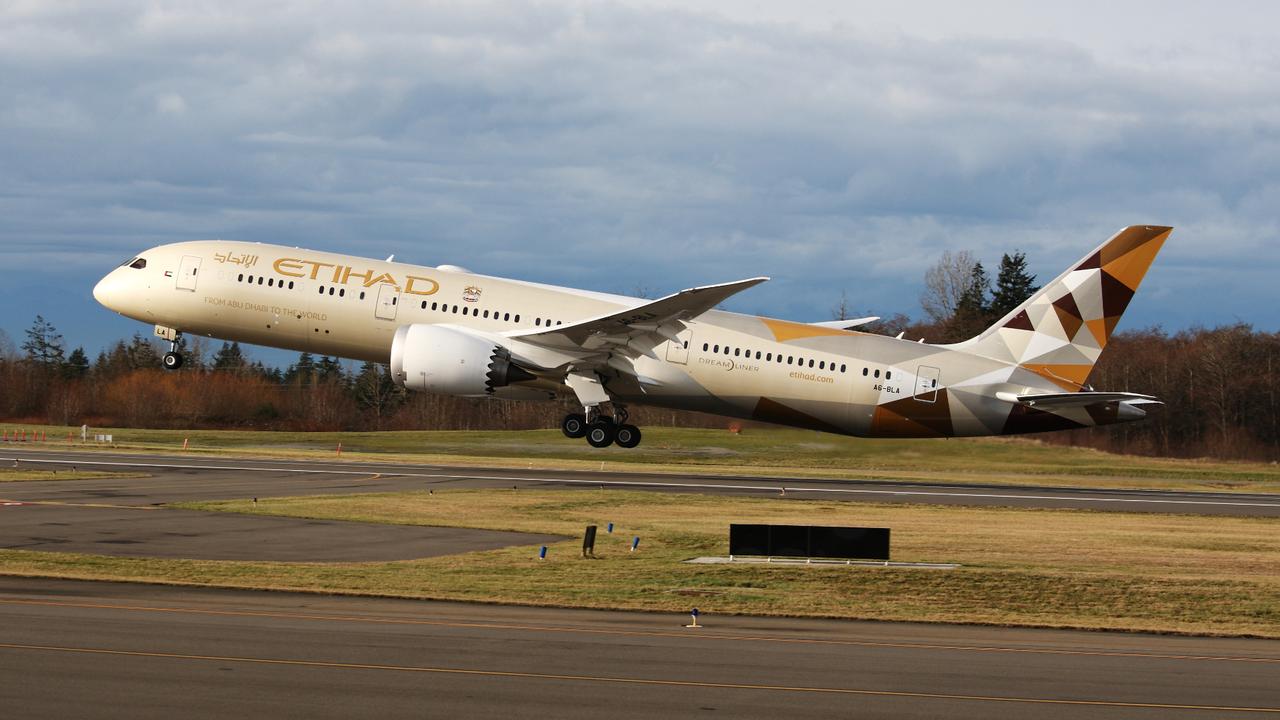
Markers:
1059,332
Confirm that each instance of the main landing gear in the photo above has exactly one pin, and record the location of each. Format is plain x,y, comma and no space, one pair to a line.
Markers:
602,430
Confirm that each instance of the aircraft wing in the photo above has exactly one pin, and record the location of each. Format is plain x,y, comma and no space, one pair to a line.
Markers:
846,324
636,327
1056,401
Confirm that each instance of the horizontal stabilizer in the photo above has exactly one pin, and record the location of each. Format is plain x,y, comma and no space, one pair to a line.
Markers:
1054,401
846,324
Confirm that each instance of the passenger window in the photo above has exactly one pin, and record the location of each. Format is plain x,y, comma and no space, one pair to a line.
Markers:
506,317
877,373
395,300
259,279
888,374
433,305
757,354
841,367
735,352
240,278
537,321
321,289
790,358
271,282
704,347
717,349
768,357
811,363
424,304
343,293
517,317
486,314
291,287
822,365
864,372
726,349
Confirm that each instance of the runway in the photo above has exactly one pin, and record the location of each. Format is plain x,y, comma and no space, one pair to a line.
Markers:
83,649
190,477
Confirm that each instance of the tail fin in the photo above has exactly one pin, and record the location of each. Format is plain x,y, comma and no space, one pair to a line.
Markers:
1059,332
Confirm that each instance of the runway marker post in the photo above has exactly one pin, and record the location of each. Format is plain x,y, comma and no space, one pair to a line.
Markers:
635,543
185,441
339,449
610,529
693,614
542,554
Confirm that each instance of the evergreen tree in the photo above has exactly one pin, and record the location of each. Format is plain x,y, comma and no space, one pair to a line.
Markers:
141,353
303,371
376,391
77,365
973,310
1013,285
329,369
44,345
229,357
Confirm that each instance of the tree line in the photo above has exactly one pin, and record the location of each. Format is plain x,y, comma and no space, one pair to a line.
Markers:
219,387
1220,385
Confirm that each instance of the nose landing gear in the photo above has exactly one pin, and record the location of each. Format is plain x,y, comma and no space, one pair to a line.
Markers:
601,430
172,360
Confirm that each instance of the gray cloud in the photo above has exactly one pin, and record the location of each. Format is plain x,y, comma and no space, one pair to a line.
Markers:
620,145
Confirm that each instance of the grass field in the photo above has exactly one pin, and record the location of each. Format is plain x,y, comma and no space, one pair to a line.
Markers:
28,474
1020,567
753,452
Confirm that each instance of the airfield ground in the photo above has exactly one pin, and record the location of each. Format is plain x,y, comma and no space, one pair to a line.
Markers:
1044,566
754,451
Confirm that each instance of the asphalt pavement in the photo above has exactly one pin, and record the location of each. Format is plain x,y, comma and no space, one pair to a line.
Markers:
91,650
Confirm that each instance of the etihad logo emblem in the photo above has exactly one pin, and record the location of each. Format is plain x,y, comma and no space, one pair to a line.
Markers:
342,275
471,294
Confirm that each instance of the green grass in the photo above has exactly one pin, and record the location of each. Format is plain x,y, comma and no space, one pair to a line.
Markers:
753,452
1056,568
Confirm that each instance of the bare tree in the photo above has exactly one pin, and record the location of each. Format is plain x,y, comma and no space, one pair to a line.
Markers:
842,311
945,284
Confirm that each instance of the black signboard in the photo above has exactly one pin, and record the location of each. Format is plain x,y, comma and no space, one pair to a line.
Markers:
810,541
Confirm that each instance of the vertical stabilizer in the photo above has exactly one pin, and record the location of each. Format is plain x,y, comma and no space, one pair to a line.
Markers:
1059,332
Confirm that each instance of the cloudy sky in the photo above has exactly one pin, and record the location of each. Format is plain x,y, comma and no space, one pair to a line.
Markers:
836,146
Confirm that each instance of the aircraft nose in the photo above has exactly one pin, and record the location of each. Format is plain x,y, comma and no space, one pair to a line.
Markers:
107,291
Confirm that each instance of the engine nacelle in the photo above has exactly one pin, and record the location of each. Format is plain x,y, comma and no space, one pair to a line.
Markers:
444,360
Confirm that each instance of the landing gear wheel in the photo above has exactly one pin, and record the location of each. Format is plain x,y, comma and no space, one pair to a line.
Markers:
601,434
573,425
628,436
172,361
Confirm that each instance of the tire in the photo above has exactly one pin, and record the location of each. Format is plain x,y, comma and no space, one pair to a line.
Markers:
171,361
573,426
628,436
600,434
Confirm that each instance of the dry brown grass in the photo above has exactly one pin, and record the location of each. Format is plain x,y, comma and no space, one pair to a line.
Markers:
1057,568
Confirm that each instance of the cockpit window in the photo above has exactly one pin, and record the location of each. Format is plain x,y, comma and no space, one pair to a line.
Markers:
138,264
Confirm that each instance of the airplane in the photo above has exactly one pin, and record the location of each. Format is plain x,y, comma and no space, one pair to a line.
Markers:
447,330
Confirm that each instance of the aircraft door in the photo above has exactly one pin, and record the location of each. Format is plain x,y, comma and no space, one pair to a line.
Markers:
388,302
927,379
187,271
678,349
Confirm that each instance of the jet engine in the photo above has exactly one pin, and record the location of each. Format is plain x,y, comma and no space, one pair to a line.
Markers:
449,361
